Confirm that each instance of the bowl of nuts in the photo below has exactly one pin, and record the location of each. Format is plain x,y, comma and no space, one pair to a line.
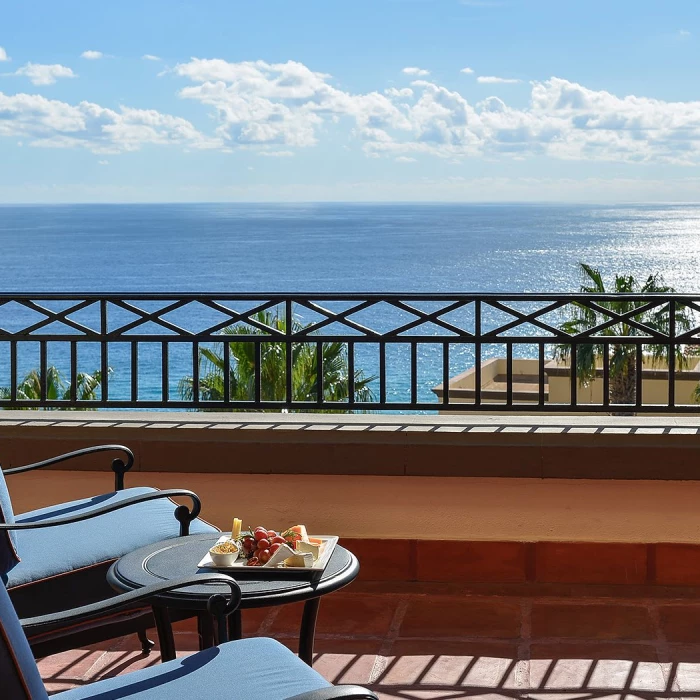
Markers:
224,553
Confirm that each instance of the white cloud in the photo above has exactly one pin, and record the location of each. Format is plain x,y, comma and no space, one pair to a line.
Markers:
467,70
262,105
414,70
276,154
683,33
102,162
493,80
151,57
56,124
274,109
258,103
43,74
92,55
405,159
563,121
3,55
398,92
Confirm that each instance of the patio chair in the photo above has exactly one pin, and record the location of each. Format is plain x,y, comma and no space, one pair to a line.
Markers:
247,669
65,550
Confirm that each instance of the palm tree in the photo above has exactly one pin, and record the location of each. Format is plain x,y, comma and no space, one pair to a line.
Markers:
57,389
623,357
273,368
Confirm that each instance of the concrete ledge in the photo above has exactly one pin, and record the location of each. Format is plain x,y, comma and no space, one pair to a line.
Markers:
561,447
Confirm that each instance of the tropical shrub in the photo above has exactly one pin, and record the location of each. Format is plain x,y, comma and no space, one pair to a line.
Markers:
273,365
622,356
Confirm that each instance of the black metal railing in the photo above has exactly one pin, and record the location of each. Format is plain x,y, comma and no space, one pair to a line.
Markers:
389,352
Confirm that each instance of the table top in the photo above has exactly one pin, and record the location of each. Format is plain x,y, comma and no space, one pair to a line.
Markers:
178,557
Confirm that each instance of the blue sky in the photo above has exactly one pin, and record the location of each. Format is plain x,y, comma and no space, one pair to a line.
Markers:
394,100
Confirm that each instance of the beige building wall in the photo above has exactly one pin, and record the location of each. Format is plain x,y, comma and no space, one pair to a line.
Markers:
558,383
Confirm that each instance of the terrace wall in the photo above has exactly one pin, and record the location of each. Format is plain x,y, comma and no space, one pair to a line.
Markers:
513,499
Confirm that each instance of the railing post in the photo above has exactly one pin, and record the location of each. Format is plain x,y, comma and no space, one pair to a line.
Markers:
672,354
104,354
446,373
289,360
351,373
477,353
574,375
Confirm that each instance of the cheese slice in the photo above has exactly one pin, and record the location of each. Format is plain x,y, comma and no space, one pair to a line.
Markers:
299,560
284,552
310,548
236,529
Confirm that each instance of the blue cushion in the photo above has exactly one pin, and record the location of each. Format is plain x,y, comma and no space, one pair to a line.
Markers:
57,550
248,669
18,671
8,539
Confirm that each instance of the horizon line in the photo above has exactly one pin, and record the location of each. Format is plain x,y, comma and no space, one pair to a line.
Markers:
518,202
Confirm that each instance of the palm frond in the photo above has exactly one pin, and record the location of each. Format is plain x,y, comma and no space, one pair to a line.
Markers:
272,369
622,356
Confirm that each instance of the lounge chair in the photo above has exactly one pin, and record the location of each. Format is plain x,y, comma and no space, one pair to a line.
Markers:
66,549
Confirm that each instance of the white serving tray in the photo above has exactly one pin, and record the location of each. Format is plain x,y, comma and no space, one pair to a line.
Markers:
328,543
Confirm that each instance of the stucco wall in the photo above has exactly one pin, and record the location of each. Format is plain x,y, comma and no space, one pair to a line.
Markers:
415,507
608,479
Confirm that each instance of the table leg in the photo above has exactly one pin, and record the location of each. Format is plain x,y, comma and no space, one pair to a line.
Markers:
205,627
308,630
235,626
165,633
146,643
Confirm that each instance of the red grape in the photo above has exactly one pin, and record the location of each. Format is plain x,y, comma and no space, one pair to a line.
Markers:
260,533
265,556
263,544
271,534
274,547
278,539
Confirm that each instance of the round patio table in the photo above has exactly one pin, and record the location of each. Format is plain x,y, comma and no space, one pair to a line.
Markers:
176,558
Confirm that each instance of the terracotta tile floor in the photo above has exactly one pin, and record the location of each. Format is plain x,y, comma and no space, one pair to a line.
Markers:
416,646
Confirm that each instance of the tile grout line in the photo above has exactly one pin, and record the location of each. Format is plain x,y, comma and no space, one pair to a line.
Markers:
380,661
481,639
663,650
524,644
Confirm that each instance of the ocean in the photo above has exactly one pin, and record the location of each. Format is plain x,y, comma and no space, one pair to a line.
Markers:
337,248
340,247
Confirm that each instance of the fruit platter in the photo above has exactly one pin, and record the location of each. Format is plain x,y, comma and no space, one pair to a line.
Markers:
285,551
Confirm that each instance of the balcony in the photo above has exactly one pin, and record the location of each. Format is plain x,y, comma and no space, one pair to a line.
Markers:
502,552
555,585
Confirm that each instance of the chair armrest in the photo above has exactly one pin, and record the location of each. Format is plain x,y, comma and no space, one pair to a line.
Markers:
337,692
182,513
119,467
219,606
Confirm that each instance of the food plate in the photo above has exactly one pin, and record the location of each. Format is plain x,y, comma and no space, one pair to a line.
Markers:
328,543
